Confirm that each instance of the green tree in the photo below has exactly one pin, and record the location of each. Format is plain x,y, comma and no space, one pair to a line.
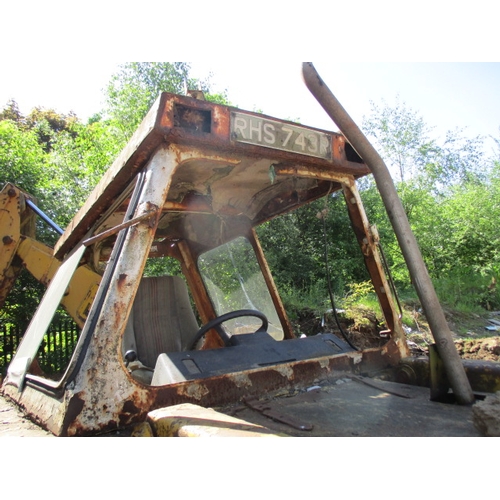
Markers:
295,249
11,112
22,162
401,137
22,158
134,88
472,214
77,160
448,190
47,124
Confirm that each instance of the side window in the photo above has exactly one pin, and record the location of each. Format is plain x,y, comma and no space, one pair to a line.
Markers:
51,337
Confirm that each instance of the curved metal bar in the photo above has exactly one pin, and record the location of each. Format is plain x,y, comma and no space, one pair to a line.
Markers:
411,252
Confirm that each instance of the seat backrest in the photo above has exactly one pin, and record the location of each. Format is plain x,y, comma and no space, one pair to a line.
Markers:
161,319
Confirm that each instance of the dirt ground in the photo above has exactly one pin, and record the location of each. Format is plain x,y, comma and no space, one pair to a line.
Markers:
471,333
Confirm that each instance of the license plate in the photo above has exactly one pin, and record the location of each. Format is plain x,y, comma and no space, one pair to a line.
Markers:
274,134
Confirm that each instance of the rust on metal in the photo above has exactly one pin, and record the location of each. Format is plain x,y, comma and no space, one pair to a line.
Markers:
84,411
195,175
15,222
370,383
271,411
119,227
162,125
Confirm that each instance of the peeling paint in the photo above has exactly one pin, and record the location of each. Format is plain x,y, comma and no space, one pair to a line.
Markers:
357,357
195,391
324,363
241,380
286,371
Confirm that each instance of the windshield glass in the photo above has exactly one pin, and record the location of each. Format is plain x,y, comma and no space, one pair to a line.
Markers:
234,281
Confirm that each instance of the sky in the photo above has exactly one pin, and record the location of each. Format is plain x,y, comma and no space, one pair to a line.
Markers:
446,95
59,55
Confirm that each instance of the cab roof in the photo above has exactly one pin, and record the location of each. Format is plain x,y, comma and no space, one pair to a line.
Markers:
243,165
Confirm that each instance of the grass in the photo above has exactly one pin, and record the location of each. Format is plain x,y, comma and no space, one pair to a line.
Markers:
461,303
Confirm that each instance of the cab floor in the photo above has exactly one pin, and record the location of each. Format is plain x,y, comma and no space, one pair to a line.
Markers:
352,407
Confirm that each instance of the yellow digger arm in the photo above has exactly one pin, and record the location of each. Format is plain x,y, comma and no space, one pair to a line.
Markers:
19,249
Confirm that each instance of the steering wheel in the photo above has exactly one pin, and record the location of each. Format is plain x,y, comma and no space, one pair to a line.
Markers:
216,322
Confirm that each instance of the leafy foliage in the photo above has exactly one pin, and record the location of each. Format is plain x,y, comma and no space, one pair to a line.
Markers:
403,139
135,87
295,248
133,90
401,136
22,159
449,192
449,189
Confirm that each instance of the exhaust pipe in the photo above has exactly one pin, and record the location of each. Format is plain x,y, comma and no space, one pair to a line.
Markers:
411,252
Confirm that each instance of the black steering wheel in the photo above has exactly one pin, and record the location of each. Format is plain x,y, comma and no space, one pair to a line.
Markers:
216,322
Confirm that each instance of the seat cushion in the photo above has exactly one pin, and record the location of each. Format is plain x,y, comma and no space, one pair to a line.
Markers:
163,320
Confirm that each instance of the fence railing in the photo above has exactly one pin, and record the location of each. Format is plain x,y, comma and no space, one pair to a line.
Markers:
55,351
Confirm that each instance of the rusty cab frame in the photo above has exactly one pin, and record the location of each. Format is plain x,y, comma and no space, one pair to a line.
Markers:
196,176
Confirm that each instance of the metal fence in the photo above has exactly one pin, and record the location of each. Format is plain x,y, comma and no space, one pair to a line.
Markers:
55,351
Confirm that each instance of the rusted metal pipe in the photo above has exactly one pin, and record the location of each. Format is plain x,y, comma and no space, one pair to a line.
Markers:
119,227
411,252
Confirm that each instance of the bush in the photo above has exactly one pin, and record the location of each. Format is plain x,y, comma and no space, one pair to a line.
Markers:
467,291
